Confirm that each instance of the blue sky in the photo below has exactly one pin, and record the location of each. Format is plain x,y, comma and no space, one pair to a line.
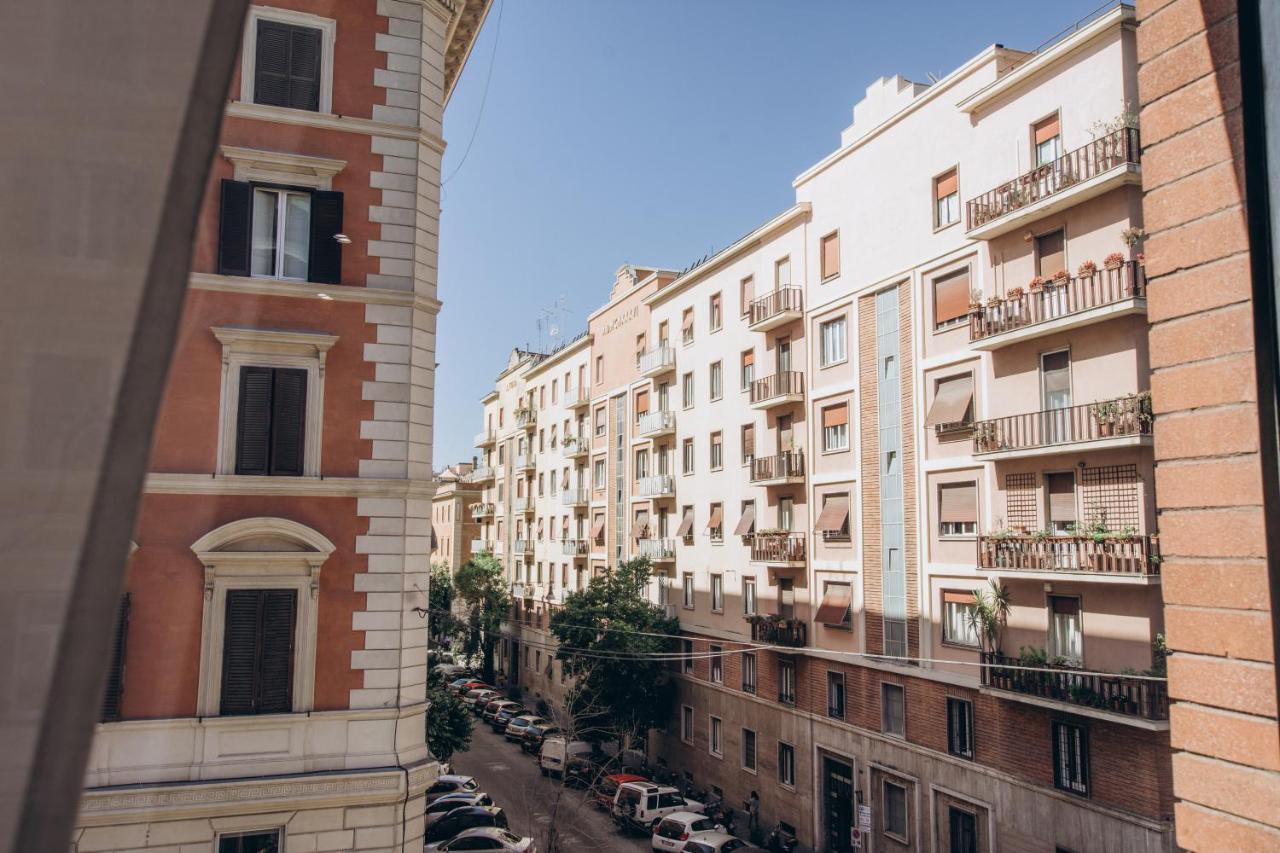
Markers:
652,132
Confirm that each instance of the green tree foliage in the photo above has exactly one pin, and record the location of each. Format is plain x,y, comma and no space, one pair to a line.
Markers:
440,595
621,690
449,723
482,588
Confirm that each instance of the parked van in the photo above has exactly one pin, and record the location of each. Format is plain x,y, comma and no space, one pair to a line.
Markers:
556,754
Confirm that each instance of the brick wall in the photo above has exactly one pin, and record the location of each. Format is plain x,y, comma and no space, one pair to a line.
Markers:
868,427
1208,470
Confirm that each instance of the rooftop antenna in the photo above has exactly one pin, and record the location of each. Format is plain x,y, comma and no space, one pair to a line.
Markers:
549,323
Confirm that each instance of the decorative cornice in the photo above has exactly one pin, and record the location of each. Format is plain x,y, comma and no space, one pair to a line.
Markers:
242,338
330,121
320,487
464,27
253,164
306,290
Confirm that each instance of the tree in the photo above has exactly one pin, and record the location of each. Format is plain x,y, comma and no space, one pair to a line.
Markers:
621,686
443,624
482,588
449,723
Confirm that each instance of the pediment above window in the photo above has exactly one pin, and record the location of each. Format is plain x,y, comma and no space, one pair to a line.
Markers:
255,165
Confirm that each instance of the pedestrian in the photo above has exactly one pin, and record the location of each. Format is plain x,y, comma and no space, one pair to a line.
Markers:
753,812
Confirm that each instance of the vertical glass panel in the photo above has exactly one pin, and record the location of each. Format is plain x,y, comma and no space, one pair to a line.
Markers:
297,235
263,251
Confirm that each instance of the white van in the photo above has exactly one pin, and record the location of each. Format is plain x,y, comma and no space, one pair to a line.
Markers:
555,754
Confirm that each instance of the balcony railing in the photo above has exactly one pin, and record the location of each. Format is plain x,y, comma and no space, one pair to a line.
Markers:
1136,555
778,632
479,474
575,398
485,438
1119,694
524,461
1107,286
657,360
575,547
524,546
522,505
576,497
481,510
778,549
1117,148
657,486
656,423
1123,416
478,545
777,306
658,549
576,445
780,387
668,611
526,419
784,466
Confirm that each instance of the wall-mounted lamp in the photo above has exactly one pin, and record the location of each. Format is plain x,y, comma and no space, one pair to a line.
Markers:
341,238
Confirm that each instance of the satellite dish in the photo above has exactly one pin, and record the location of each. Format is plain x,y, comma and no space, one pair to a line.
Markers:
554,331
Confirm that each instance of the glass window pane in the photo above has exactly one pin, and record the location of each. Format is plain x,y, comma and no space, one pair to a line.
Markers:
264,232
297,235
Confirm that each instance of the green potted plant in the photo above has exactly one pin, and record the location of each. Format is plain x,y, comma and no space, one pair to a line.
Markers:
1061,277
1113,261
1105,414
1087,269
989,615
1037,284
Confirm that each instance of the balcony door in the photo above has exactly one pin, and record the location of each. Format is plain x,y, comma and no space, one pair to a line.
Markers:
786,598
784,355
664,396
1055,396
1060,490
786,434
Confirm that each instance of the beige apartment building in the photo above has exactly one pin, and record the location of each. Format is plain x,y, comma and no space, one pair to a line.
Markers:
456,510
929,374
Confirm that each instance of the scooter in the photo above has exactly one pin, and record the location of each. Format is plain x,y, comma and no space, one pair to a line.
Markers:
781,841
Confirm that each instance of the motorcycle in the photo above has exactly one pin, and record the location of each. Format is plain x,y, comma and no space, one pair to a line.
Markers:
781,841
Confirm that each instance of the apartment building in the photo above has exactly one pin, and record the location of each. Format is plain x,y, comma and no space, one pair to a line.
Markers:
929,374
456,510
267,689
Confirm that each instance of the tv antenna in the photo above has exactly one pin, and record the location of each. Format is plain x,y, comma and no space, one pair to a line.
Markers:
549,323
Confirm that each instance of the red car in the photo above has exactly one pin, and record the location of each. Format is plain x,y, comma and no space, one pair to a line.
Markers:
607,787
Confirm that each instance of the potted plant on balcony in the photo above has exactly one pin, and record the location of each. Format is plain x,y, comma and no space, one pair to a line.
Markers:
1113,261
1037,284
989,614
975,299
1061,277
1087,269
984,437
1134,413
1014,293
1105,413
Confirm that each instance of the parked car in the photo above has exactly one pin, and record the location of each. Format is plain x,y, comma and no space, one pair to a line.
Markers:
451,784
467,684
495,705
556,754
677,828
607,788
478,697
718,842
450,670
639,806
449,802
515,729
464,817
484,838
506,715
534,735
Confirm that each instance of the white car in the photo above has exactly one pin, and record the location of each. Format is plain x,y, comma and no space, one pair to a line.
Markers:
677,828
479,695
483,838
451,784
641,806
717,842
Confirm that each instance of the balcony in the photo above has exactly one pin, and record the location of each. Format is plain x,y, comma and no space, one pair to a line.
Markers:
658,486
780,389
478,545
499,547
668,611
576,398
658,550
481,510
784,305
1113,291
526,419
1076,176
656,424
778,550
1122,422
1123,559
575,547
576,446
1115,694
657,362
525,547
781,470
778,631
479,474
575,497
522,506
486,438
524,462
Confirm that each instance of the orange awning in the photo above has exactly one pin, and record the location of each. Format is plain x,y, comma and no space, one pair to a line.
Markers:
835,603
597,528
717,518
833,515
686,525
951,401
748,521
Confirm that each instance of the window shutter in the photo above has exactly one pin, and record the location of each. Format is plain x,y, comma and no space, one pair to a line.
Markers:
950,297
1061,489
271,64
304,68
233,228
958,502
324,266
945,184
275,681
834,416
1046,129
240,652
253,426
288,421
111,698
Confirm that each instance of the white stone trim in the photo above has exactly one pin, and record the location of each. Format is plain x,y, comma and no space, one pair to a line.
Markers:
328,28
319,487
280,167
305,290
243,347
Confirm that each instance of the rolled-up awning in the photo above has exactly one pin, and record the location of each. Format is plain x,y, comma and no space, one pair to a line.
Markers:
686,524
951,402
835,603
833,515
747,523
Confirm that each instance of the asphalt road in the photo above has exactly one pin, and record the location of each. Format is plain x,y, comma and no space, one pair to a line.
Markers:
512,778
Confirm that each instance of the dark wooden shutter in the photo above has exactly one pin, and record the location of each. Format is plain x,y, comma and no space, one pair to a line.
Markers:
304,68
233,230
275,690
253,424
115,675
240,652
287,66
288,421
325,263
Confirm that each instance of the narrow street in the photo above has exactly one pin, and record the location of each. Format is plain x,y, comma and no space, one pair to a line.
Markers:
512,778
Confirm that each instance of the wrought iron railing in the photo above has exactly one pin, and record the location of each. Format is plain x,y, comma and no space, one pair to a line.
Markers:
1120,694
781,466
1123,416
1063,298
778,632
783,384
485,437
780,301
481,510
778,549
1114,555
524,546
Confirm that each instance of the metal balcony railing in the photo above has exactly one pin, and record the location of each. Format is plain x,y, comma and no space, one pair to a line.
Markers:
780,385
1055,300
780,467
481,510
1118,555
526,418
478,545
479,474
1103,419
778,549
656,422
575,547
778,632
658,549
1119,694
485,437
576,445
521,505
575,497
657,486
658,359
576,397
784,300
524,546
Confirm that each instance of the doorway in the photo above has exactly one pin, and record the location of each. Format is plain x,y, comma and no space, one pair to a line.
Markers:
837,805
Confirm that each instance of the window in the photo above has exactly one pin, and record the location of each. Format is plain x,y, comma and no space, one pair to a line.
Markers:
836,609
893,709
748,443
686,390
1051,253
686,326
749,672
597,474
642,463
835,695
959,727
686,724
786,764
640,347
271,421
280,233
715,745
786,681
748,369
951,299
686,453
714,313
834,334
717,593
685,530
717,451
257,651
830,255
1060,491
749,596
952,407
250,842
287,60
835,428
717,665
786,512
1065,638
957,608
895,811
1071,757
746,294
749,750
686,662
946,199
1046,139
600,420
716,381
715,523
963,827
599,369
1055,385
782,273
958,509
833,520
688,590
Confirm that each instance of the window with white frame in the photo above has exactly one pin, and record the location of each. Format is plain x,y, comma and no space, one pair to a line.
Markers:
946,198
686,662
716,745
688,589
957,613
717,451
893,709
1066,640
717,593
717,665
716,381
597,474
958,509
287,59
748,596
786,764
687,460
835,427
834,335
686,390
748,672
